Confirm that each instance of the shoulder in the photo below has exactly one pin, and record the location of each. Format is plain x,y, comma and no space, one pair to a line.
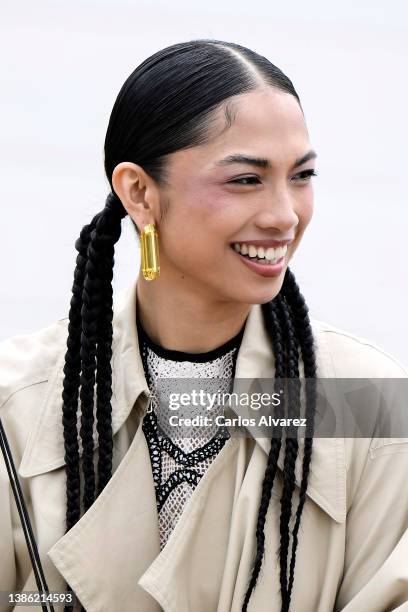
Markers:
29,359
342,354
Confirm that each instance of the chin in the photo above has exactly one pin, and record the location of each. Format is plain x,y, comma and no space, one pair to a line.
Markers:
258,296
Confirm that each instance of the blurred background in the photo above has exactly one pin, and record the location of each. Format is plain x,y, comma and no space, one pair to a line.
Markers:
62,67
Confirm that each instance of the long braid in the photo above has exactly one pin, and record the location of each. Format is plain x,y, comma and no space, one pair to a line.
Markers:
72,369
109,235
95,326
304,332
270,311
70,393
289,329
92,299
90,348
291,452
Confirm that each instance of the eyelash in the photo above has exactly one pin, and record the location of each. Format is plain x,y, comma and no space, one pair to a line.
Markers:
308,174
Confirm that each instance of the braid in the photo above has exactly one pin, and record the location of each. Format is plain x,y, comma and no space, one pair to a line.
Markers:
97,316
291,451
112,221
304,332
72,370
90,348
290,330
301,323
270,311
92,298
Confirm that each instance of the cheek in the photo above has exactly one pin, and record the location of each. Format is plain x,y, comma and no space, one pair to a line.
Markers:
305,210
209,202
208,210
196,231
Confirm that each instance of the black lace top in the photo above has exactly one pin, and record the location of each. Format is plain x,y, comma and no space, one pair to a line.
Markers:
178,463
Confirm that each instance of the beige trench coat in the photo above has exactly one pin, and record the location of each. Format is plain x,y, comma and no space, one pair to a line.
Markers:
353,543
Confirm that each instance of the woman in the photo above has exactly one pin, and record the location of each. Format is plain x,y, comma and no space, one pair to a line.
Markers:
208,152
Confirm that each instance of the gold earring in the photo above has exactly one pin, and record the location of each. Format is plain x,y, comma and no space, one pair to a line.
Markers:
150,252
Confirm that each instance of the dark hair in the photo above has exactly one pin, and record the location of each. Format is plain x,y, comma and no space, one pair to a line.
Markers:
165,105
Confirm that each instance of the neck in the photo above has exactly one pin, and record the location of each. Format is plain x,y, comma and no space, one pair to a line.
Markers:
183,320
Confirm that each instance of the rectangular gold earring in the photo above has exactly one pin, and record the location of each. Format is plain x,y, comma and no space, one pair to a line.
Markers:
150,252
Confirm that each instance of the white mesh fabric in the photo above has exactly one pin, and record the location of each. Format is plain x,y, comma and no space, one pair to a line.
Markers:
172,495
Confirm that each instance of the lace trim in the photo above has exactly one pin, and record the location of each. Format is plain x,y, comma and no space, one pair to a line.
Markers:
157,444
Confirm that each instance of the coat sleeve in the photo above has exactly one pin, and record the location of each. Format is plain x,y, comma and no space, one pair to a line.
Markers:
375,577
16,573
8,564
25,364
375,567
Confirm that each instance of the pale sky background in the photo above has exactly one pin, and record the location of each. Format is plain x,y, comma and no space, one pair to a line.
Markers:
63,64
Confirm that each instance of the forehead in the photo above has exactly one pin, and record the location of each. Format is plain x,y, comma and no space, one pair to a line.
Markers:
265,111
266,122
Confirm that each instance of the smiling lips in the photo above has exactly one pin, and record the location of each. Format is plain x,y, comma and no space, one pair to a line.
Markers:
268,255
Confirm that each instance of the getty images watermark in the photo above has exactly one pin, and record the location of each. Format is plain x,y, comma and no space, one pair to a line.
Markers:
212,401
265,407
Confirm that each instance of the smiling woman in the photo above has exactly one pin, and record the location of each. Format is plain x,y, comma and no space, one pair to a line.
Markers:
208,153
266,131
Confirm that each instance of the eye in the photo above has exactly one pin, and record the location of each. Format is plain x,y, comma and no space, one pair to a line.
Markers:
245,178
306,175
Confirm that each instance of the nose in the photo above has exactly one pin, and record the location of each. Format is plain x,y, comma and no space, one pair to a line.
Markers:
280,214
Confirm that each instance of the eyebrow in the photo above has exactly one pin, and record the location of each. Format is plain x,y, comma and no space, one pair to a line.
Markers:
261,162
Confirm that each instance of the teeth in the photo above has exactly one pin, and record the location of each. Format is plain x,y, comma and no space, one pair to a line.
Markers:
270,254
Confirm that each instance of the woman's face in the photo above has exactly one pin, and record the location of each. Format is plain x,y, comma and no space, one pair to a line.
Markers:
214,203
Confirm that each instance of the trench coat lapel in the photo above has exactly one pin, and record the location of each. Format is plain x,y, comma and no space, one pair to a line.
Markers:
327,478
114,542
112,557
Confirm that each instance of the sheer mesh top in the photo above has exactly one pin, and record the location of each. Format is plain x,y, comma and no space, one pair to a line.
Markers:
179,462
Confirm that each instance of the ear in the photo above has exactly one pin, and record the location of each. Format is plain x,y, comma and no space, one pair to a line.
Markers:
138,193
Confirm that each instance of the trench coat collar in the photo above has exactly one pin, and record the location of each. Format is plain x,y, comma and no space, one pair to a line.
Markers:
44,450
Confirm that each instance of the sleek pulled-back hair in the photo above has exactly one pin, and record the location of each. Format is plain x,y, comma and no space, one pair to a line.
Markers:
168,103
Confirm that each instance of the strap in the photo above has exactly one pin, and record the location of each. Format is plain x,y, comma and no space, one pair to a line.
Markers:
25,519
